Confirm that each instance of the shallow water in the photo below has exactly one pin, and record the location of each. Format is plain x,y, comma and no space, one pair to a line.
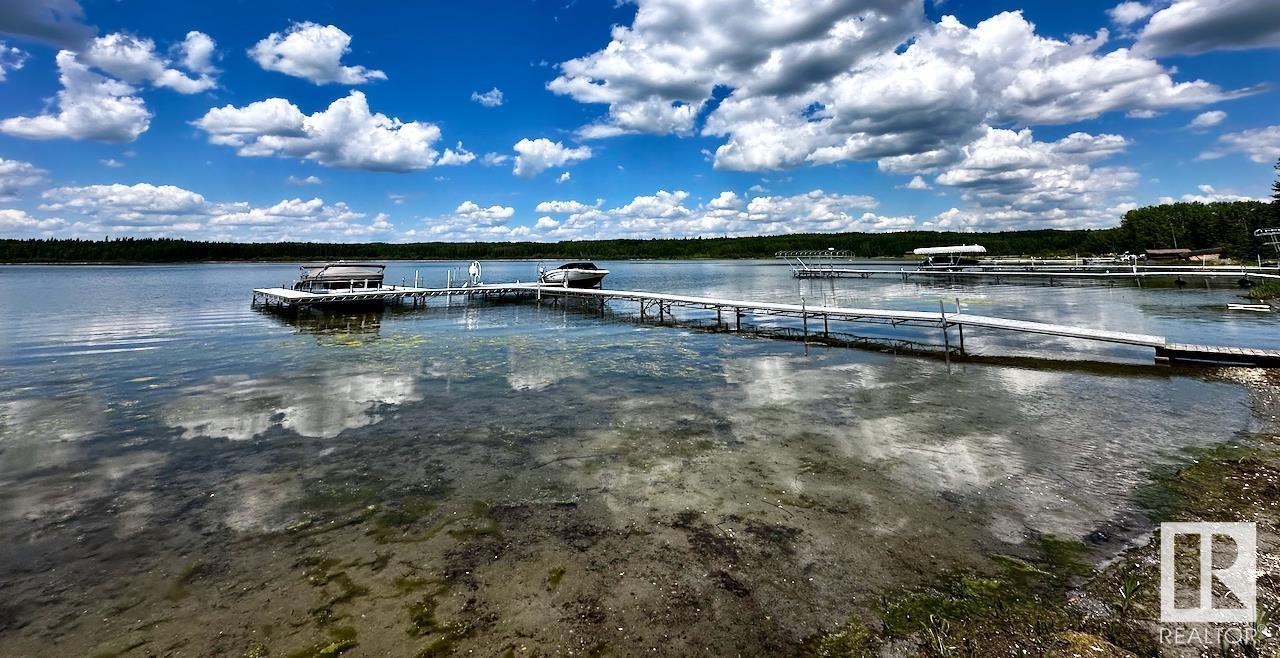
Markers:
182,474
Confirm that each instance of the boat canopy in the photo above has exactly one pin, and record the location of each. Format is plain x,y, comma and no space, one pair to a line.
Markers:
947,251
578,266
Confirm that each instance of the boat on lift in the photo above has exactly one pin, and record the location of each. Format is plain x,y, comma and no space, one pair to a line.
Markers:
574,275
950,258
339,275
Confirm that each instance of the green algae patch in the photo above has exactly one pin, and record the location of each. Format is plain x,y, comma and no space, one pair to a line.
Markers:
480,524
422,613
178,590
852,640
554,576
445,640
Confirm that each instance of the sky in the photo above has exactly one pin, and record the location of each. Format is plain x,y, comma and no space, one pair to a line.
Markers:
585,119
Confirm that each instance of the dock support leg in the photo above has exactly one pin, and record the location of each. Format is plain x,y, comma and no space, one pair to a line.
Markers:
946,337
719,323
960,328
826,331
737,322
642,305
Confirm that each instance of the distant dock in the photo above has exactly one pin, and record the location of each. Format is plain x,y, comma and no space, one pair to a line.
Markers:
730,312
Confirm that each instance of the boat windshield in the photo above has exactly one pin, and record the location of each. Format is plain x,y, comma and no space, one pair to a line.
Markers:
578,266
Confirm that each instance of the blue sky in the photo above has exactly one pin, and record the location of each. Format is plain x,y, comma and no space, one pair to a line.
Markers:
687,118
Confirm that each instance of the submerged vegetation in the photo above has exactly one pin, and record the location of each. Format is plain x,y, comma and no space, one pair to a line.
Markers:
1191,225
1054,604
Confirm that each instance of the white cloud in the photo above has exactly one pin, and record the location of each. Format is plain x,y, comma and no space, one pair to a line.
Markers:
537,155
470,222
135,60
491,98
309,180
494,159
855,80
1128,13
1191,27
146,209
1261,145
344,135
917,183
657,74
112,163
1207,119
18,221
1208,194
12,58
456,156
89,106
311,52
57,22
16,175
1013,181
564,177
563,207
198,51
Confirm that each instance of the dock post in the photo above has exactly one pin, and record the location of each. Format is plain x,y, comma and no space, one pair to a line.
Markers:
719,323
960,327
946,338
804,322
826,331
737,322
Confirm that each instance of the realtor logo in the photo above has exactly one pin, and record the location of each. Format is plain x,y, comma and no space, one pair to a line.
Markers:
1208,572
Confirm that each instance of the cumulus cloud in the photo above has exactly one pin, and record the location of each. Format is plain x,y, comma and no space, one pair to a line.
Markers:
14,221
56,22
1209,194
147,209
657,74
135,60
491,98
564,177
1260,145
494,159
1013,181
1207,119
1128,13
112,163
15,175
89,106
1191,27
670,214
197,52
309,180
854,80
562,207
345,135
11,59
917,183
534,156
312,52
456,156
470,222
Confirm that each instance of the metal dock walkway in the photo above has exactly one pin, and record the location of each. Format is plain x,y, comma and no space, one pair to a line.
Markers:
658,306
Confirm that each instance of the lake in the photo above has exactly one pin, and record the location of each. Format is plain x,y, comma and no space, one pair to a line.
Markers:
181,473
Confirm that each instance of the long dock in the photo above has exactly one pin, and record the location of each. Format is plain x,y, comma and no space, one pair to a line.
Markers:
1046,275
658,306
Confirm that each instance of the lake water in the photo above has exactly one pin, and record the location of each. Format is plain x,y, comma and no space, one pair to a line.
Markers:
181,473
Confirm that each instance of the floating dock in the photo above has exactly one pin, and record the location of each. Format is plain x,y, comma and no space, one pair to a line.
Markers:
729,314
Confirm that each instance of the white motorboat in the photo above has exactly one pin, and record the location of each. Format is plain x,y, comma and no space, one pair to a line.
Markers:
574,275
340,275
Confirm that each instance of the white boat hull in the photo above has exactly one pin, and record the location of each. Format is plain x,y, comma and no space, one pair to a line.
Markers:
574,278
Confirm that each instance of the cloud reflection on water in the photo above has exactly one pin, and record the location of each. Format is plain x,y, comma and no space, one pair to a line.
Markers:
317,405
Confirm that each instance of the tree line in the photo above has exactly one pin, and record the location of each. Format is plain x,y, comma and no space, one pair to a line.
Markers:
1229,225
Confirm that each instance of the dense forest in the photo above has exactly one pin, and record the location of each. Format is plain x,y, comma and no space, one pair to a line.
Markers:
1189,225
